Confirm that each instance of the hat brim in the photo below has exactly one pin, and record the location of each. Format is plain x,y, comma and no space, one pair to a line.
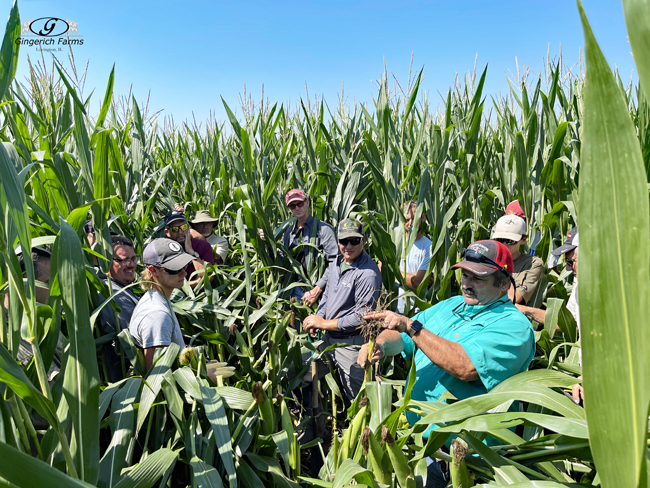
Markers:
507,235
480,269
177,262
202,220
563,249
345,235
296,198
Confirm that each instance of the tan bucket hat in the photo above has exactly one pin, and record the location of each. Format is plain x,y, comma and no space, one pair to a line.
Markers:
203,216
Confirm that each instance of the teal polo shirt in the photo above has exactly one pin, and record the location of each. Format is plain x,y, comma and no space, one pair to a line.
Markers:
497,337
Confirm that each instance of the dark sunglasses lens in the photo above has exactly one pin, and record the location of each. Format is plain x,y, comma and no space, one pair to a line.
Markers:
355,241
168,271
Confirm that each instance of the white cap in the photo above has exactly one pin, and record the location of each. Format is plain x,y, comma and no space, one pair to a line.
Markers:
509,227
576,240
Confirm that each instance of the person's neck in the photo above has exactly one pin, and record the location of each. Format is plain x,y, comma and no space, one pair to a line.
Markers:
350,262
303,221
164,290
515,254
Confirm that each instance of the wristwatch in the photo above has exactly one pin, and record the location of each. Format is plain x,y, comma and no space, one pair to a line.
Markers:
415,327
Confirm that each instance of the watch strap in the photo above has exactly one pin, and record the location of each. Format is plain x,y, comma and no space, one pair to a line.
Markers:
415,327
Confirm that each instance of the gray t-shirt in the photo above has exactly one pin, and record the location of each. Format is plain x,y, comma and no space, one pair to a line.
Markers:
153,324
417,259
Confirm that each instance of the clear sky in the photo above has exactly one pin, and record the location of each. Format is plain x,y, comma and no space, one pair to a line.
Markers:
192,53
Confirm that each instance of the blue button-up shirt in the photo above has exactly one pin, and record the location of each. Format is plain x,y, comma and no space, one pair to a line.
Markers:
497,337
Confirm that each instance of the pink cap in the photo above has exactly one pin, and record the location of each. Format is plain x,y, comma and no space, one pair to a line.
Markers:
295,195
514,208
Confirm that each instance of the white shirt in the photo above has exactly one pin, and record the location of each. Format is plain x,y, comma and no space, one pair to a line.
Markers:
417,259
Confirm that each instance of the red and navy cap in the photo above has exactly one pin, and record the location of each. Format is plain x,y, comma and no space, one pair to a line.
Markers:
295,195
486,257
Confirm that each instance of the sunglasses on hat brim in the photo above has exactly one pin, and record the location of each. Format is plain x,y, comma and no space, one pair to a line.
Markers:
475,257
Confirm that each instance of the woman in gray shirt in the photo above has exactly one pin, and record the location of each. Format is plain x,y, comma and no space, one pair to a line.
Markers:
154,323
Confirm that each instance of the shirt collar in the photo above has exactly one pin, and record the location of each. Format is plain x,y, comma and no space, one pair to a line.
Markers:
472,309
307,225
357,262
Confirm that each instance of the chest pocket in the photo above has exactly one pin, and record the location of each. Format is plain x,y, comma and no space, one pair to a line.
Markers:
465,331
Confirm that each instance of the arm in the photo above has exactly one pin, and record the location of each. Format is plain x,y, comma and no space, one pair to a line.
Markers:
536,314
389,343
512,292
149,354
413,280
330,251
448,356
221,250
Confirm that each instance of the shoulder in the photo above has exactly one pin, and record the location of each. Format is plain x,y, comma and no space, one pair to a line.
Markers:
200,244
508,317
424,243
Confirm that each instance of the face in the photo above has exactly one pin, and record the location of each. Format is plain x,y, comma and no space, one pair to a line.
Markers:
299,209
350,251
123,265
204,228
91,238
168,281
480,290
179,234
409,219
571,260
513,247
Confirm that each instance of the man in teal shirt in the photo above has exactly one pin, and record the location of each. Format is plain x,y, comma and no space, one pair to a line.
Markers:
468,344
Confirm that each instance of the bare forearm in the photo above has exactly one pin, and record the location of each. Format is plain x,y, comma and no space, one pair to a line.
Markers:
536,314
329,325
448,356
391,342
413,280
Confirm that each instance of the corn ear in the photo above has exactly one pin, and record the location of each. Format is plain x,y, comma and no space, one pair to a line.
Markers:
397,458
265,407
457,467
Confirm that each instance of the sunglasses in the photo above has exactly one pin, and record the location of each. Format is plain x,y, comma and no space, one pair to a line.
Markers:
293,206
170,272
134,260
507,242
355,241
570,261
475,257
179,227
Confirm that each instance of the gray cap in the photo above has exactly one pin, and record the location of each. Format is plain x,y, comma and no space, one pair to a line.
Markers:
569,244
349,228
167,254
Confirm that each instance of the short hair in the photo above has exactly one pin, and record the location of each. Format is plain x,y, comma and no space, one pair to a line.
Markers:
121,241
147,281
501,278
39,256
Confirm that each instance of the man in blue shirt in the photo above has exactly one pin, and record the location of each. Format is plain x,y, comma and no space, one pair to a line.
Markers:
467,344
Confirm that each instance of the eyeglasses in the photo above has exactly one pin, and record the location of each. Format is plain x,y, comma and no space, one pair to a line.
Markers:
570,261
179,227
355,241
134,260
507,242
169,271
293,206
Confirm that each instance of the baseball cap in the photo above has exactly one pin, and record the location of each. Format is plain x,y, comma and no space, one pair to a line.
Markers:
167,254
174,215
295,195
570,243
349,228
509,227
486,257
203,216
514,208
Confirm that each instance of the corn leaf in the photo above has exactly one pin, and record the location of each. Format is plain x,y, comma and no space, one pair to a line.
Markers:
145,474
614,275
9,50
80,383
204,474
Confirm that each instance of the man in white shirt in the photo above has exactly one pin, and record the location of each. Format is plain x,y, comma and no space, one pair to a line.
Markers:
417,260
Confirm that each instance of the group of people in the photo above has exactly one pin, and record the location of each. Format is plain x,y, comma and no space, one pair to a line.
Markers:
464,345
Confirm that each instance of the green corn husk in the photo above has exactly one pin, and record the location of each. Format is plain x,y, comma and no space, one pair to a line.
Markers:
265,407
400,464
374,455
457,467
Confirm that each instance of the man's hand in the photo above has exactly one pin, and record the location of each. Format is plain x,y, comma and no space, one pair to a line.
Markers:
379,264
178,208
261,233
392,320
196,235
188,244
311,296
363,354
312,323
577,392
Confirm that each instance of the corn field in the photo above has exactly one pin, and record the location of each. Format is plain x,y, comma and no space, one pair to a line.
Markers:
571,148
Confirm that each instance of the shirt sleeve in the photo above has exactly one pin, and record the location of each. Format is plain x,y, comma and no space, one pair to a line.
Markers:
330,251
531,279
221,248
156,329
498,353
367,289
426,258
204,249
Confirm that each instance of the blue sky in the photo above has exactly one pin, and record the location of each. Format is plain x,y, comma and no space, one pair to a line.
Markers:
190,54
